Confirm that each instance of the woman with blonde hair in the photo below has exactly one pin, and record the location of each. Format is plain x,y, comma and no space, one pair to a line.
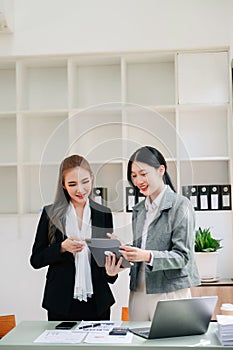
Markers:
76,288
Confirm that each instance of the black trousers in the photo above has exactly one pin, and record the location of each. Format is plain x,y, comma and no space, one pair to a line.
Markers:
81,310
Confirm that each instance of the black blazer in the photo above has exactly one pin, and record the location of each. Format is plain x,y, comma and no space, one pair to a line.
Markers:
60,278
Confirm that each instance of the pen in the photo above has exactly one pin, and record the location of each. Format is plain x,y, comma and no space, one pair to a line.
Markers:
90,325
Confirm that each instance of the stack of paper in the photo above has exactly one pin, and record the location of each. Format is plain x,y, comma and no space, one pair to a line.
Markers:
225,329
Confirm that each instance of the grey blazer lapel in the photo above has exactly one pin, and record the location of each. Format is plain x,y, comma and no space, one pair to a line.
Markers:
139,224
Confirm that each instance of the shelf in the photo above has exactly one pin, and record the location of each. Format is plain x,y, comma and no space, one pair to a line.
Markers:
203,77
8,138
8,189
97,134
95,82
151,83
220,282
198,128
204,107
7,86
173,173
104,107
144,126
44,135
38,187
110,176
43,85
205,172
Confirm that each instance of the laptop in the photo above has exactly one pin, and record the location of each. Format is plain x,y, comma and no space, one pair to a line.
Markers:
179,317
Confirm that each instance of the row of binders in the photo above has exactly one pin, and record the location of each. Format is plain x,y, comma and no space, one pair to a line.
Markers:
202,197
209,197
132,198
225,329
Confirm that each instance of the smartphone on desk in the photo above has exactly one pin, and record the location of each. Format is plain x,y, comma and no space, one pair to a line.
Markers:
66,325
118,331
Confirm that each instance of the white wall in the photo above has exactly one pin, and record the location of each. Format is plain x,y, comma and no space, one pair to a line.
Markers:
74,26
21,287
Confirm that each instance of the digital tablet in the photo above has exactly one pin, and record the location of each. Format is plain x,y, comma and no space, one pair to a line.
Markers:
100,247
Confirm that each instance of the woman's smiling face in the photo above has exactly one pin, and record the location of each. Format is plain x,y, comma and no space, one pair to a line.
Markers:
148,179
78,184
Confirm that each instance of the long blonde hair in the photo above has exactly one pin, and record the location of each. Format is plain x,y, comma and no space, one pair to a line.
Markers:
58,210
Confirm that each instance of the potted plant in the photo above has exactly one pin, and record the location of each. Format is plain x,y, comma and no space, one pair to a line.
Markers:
206,253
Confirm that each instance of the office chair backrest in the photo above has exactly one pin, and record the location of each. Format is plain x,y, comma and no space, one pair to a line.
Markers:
7,322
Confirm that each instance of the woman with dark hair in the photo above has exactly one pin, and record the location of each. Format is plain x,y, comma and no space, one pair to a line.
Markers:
76,288
163,237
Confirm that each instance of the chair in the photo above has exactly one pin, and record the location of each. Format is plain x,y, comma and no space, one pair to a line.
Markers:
7,322
124,314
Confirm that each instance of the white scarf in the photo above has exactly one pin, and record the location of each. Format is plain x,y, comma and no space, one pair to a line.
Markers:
83,283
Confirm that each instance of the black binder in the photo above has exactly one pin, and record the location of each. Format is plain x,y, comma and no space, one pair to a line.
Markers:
225,197
186,191
140,197
100,195
193,196
214,197
203,192
131,199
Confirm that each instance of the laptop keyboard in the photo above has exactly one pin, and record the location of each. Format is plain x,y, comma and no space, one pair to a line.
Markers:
143,330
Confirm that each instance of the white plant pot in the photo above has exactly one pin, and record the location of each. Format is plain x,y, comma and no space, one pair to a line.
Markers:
207,264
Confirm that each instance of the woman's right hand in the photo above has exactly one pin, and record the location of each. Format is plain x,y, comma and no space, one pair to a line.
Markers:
72,245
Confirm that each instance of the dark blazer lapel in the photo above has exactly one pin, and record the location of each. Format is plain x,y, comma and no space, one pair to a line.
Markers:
95,221
98,219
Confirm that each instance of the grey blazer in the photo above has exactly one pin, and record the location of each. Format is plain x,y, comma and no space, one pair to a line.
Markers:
171,239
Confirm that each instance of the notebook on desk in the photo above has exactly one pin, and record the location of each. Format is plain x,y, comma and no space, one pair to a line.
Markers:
179,317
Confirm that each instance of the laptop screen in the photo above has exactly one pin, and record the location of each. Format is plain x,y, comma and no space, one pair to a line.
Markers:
181,317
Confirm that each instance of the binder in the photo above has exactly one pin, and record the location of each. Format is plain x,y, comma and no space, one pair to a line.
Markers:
130,198
214,197
186,191
140,197
203,192
100,195
193,196
225,197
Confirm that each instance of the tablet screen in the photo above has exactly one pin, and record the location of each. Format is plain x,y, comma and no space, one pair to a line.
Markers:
100,247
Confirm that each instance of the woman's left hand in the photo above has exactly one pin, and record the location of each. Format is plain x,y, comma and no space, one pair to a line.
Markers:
113,268
135,254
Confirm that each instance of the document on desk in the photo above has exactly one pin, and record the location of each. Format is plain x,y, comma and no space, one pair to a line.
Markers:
61,336
87,332
98,332
104,338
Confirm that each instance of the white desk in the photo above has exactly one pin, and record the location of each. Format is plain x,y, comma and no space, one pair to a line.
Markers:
22,337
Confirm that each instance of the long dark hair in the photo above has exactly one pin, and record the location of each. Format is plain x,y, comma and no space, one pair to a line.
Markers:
152,157
58,210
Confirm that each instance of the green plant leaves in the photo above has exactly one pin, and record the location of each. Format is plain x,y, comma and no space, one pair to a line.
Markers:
204,242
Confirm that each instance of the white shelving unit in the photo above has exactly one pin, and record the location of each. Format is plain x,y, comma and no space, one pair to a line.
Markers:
104,107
